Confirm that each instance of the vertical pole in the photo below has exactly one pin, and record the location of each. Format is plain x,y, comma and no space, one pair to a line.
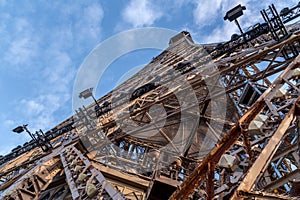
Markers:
210,181
95,101
238,24
297,114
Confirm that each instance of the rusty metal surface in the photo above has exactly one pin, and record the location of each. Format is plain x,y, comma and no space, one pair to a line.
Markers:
80,174
249,151
267,102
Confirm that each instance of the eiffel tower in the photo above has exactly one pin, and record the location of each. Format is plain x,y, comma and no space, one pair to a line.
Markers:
210,121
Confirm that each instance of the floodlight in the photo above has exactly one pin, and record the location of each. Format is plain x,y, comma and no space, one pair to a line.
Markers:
86,93
18,129
235,13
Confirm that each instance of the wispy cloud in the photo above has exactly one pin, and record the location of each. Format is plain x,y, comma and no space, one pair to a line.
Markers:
205,13
8,123
220,34
44,44
209,12
39,112
88,26
20,51
212,13
141,13
22,44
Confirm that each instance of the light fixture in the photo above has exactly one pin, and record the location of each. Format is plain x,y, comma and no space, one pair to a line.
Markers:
42,142
18,129
89,93
86,93
235,13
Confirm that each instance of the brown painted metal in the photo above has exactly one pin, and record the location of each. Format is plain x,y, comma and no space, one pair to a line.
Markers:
265,160
229,139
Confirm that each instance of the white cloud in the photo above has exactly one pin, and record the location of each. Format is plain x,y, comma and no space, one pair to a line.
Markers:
39,112
88,27
141,13
43,45
205,13
221,34
22,42
49,53
31,107
20,51
59,71
209,12
8,123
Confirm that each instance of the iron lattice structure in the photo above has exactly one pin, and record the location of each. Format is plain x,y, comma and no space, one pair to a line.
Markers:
237,136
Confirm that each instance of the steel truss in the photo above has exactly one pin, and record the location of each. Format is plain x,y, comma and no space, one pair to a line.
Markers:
236,134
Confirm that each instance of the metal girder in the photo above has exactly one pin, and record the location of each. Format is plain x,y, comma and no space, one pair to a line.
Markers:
264,196
35,182
61,191
83,179
266,155
234,83
265,158
229,139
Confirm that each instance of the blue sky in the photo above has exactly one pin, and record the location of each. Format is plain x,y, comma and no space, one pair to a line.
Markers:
44,42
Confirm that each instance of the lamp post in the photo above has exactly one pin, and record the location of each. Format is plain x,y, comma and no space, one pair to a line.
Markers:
20,129
89,93
235,13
